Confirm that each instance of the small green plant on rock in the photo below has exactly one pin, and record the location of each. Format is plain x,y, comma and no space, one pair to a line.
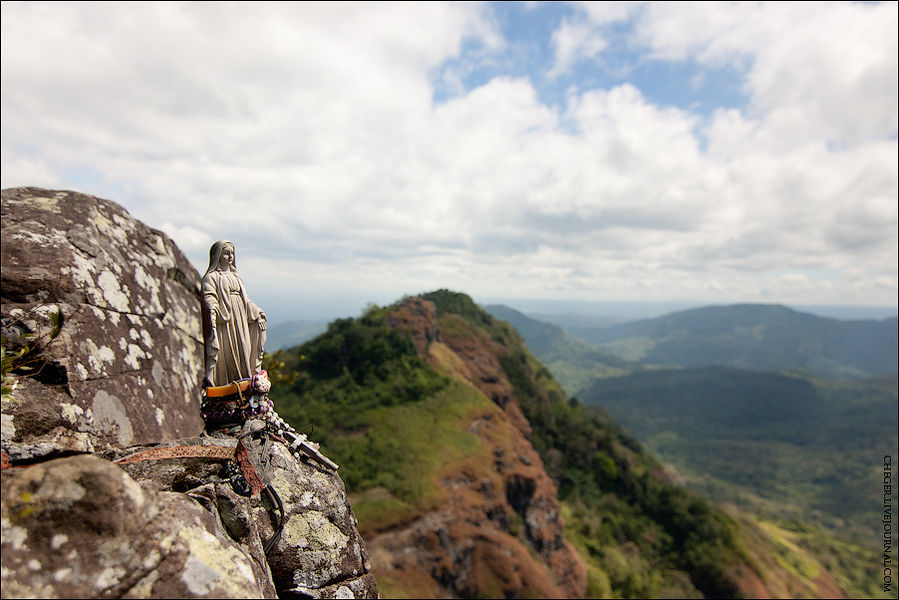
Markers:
21,355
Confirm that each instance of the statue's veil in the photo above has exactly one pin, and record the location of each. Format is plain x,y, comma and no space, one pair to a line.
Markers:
215,255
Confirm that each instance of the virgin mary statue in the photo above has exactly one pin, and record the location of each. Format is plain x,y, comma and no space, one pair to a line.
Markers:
233,326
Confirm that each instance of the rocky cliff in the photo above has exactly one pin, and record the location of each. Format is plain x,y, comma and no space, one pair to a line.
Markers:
110,310
102,361
498,531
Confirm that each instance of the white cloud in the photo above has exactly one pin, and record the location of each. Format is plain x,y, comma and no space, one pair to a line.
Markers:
816,70
307,133
574,42
603,13
581,38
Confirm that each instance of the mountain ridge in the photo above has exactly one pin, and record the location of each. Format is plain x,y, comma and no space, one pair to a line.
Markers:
754,336
635,532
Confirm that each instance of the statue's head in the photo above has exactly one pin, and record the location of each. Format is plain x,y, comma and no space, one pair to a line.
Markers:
221,256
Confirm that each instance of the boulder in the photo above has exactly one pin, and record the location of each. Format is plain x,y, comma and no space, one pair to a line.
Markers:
110,311
81,527
319,553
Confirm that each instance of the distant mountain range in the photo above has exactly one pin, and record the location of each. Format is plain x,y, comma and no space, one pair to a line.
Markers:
752,336
292,333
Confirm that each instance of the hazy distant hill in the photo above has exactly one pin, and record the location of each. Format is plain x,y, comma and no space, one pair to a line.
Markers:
292,333
573,362
780,443
754,336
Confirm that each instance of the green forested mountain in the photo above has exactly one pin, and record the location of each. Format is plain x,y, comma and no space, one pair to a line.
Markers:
464,458
573,362
807,450
754,336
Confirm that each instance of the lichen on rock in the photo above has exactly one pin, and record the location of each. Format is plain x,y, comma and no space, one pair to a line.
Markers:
93,531
111,307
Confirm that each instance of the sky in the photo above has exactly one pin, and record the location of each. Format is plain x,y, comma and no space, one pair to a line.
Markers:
359,152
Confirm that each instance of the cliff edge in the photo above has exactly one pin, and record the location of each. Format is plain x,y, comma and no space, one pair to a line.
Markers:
102,363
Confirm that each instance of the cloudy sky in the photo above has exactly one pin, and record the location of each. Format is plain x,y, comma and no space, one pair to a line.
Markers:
358,152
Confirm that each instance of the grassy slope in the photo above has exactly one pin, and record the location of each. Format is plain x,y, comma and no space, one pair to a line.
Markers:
380,412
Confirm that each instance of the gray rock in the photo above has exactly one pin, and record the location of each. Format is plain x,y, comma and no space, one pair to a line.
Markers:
125,365
81,527
318,553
